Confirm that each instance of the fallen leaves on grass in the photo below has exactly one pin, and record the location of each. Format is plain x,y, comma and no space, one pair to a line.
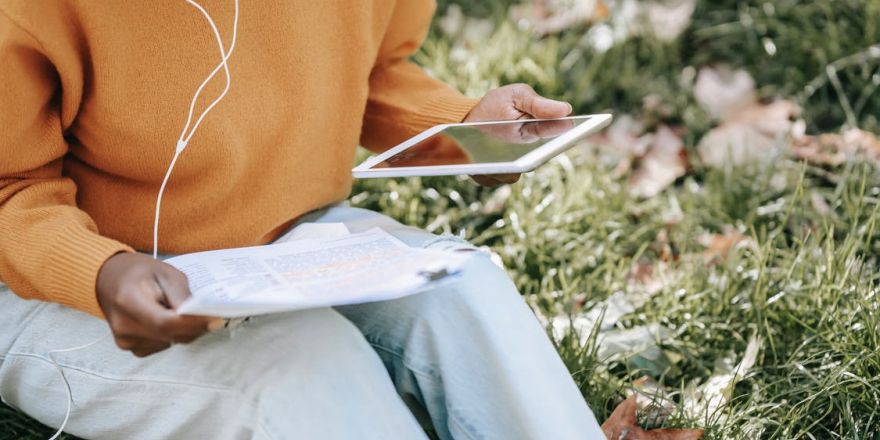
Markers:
664,162
836,148
699,400
755,133
552,16
643,276
622,425
752,131
653,399
708,398
749,130
722,91
718,246
664,20
639,347
468,30
653,160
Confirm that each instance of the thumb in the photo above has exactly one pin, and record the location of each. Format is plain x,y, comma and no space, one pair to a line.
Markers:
175,286
528,101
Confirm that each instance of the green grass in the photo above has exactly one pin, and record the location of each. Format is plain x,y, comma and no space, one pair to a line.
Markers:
570,234
16,426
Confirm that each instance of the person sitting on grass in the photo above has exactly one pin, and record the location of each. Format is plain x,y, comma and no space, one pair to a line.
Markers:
92,97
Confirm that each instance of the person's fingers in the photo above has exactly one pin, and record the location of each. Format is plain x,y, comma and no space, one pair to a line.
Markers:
174,285
147,308
126,327
548,129
506,178
524,135
526,100
506,132
149,347
495,179
127,342
182,328
135,300
484,180
215,324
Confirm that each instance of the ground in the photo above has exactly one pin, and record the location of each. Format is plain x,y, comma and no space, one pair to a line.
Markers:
716,251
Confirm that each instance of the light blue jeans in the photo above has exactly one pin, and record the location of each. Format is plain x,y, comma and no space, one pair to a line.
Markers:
469,357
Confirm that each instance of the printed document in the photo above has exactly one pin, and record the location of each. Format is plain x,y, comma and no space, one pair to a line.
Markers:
311,272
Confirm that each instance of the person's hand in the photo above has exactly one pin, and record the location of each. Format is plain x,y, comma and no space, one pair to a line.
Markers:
515,101
138,296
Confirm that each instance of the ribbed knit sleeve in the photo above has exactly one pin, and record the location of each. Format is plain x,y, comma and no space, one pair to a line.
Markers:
403,99
49,249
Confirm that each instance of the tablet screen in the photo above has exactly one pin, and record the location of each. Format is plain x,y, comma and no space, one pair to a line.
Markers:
495,142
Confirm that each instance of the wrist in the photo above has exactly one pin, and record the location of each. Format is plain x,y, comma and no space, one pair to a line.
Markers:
107,273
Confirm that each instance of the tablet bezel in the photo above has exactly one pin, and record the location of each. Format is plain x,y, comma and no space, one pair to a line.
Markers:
524,164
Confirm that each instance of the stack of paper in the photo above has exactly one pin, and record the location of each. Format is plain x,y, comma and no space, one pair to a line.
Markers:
308,271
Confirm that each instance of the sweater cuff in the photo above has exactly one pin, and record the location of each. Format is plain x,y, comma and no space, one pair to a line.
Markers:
75,260
446,109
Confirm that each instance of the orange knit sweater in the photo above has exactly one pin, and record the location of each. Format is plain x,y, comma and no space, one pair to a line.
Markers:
93,96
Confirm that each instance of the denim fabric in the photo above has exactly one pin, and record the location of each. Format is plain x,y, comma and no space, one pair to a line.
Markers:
468,356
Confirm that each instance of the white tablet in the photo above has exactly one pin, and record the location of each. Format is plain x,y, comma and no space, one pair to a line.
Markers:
494,147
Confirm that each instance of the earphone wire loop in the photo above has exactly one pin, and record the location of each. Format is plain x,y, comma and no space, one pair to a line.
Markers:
184,139
223,63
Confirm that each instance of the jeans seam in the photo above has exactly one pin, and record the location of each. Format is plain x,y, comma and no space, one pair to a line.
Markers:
226,390
119,379
454,419
407,364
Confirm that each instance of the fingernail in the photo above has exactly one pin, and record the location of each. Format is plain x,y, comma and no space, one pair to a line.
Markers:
216,324
570,108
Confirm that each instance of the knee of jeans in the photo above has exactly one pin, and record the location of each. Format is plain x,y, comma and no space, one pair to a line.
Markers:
449,242
311,343
481,274
482,288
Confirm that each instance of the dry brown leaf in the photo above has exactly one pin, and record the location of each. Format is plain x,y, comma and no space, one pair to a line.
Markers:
641,273
622,141
667,19
665,248
467,31
643,277
662,20
664,162
835,149
652,399
718,246
722,91
750,131
750,134
653,160
621,425
552,16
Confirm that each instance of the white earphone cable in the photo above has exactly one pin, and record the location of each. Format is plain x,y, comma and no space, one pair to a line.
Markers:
50,357
223,64
182,142
184,139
